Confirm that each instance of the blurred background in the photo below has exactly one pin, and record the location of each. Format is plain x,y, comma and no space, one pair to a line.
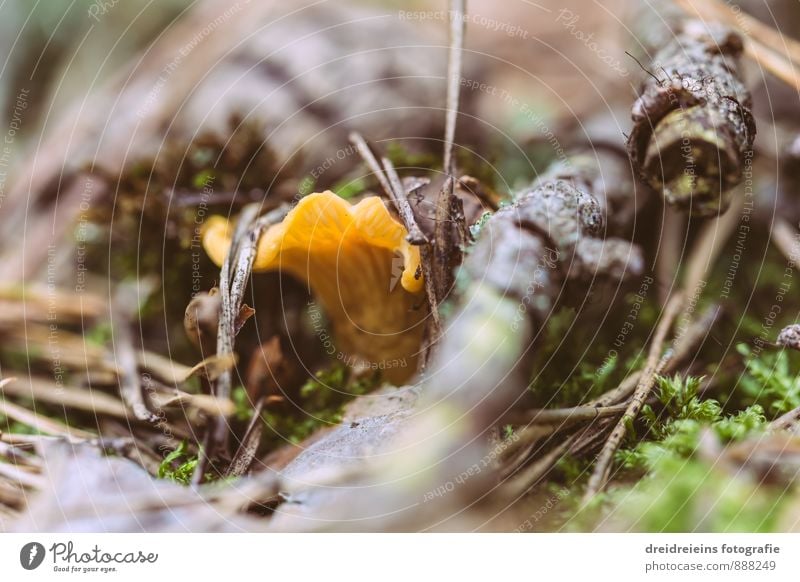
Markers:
125,124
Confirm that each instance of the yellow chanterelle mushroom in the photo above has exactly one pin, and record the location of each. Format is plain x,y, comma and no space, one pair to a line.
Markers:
358,265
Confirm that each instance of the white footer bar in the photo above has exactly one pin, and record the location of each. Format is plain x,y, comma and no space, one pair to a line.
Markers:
400,557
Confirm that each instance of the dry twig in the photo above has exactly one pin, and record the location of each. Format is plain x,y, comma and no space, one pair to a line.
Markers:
234,276
129,296
565,416
785,421
426,253
656,360
398,194
454,63
774,51
249,446
39,422
372,163
528,477
786,238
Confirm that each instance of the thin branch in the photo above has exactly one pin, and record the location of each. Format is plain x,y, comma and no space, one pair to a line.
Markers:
528,477
656,360
31,441
39,390
372,163
786,238
454,64
19,456
249,446
446,250
670,249
238,262
747,25
234,275
592,438
21,476
544,424
566,416
682,347
618,393
776,64
128,297
518,452
398,194
426,253
765,45
785,420
240,258
41,423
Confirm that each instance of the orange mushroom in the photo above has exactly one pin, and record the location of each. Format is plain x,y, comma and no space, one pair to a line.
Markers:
358,264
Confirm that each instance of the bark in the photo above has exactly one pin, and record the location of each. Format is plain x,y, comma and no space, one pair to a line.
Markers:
693,128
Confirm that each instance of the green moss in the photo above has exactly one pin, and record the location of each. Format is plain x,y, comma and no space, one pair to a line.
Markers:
688,495
769,380
679,490
99,335
675,430
475,229
319,404
243,405
574,364
349,188
178,466
203,178
571,470
405,159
